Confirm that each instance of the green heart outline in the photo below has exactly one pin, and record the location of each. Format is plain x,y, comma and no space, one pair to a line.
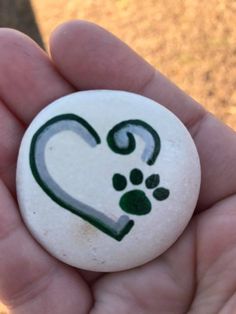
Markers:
116,229
121,139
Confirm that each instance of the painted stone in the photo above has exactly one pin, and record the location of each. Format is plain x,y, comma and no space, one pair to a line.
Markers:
107,180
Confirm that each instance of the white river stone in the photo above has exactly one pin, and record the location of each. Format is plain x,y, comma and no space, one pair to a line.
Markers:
107,180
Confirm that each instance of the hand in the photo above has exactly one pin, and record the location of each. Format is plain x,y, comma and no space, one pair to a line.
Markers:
198,273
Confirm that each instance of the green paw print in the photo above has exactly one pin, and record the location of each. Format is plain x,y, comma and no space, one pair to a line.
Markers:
135,201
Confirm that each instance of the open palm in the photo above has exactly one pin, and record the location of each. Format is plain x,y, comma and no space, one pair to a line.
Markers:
198,273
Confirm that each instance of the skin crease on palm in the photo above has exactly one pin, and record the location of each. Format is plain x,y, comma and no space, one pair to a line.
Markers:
198,273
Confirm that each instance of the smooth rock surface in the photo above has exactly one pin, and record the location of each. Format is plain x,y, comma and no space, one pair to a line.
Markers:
107,180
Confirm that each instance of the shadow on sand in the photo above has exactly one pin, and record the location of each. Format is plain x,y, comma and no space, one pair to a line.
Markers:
19,14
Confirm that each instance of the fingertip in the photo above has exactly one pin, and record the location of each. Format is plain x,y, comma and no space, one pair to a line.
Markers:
65,33
28,79
6,31
90,57
13,37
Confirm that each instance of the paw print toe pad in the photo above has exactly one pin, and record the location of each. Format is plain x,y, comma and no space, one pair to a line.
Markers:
136,176
152,181
119,182
161,194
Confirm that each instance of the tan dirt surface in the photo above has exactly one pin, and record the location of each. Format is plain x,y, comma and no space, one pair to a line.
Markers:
191,42
3,309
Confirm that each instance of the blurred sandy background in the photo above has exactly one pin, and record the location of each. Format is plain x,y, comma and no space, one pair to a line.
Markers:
192,42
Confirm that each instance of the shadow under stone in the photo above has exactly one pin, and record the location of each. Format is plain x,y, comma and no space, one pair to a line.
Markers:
18,14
